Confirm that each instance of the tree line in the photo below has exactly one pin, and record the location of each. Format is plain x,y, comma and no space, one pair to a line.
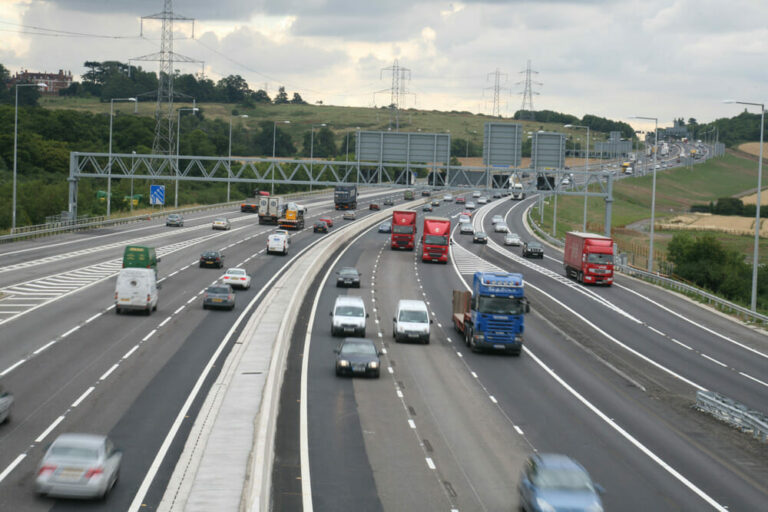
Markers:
595,123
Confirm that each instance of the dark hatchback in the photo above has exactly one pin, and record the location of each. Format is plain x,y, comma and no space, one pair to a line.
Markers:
320,227
348,277
533,249
357,356
219,296
480,238
212,259
389,201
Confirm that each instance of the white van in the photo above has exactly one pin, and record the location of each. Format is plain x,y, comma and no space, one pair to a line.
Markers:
278,242
411,321
348,316
517,191
136,289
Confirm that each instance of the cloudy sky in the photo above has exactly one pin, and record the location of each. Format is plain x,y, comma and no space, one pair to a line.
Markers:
614,58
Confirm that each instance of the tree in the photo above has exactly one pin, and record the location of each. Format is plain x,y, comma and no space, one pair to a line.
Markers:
321,145
297,100
282,96
262,141
261,96
233,89
5,76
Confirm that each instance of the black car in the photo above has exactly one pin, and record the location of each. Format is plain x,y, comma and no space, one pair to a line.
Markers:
320,227
427,208
389,201
357,356
426,193
435,202
533,249
348,277
385,227
496,195
480,238
212,259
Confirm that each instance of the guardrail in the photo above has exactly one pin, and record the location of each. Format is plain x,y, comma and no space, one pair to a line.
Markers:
723,305
733,413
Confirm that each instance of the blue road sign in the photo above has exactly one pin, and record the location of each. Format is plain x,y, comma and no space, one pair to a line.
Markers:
157,195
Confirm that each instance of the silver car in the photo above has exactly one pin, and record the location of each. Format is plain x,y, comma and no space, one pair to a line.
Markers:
465,228
78,466
6,400
219,296
512,239
500,227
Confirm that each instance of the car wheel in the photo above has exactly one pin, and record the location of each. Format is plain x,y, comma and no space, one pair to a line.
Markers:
205,306
155,308
377,374
333,331
426,340
117,310
338,373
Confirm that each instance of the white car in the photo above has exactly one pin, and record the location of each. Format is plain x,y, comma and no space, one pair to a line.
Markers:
278,242
237,278
482,200
470,205
500,227
464,218
448,198
512,239
349,216
496,219
476,194
6,400
222,224
465,228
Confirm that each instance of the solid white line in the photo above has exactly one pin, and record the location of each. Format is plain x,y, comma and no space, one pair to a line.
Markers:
94,317
44,347
12,466
168,319
411,423
12,367
179,310
430,463
49,429
109,372
754,379
518,430
83,396
149,335
130,352
705,356
70,331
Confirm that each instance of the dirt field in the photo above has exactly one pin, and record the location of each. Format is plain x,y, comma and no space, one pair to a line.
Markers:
753,148
752,199
721,223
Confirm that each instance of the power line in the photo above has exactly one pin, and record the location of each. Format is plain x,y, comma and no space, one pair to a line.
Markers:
60,33
497,76
397,92
528,92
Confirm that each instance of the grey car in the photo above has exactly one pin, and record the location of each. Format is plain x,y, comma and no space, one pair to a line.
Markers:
79,466
357,356
175,219
349,277
219,296
6,400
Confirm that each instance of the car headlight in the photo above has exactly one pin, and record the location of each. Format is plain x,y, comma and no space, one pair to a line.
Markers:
343,363
544,506
400,328
373,364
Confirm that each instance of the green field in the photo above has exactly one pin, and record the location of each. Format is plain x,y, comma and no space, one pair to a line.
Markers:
676,191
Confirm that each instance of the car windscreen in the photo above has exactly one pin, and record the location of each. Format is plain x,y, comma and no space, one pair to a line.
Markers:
364,349
74,452
210,254
436,240
563,479
218,290
420,317
348,272
480,234
605,259
403,230
236,272
534,245
354,311
501,305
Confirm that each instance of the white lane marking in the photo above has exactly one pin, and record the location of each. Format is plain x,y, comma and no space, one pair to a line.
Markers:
390,370
493,399
399,393
179,310
656,331
190,301
473,374
70,331
168,319
383,351
53,342
430,463
681,344
459,354
109,372
83,396
754,379
94,317
130,352
655,458
705,356
49,429
12,367
518,430
412,423
7,471
149,335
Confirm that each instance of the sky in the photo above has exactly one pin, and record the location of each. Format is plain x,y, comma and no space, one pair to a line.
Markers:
613,58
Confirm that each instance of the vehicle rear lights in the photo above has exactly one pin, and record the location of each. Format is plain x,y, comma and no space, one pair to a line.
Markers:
47,469
94,472
149,298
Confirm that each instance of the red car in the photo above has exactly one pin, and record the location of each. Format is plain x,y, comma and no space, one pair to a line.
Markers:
327,220
374,206
460,200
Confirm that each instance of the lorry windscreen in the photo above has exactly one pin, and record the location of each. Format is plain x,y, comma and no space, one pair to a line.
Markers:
402,230
436,240
605,259
501,305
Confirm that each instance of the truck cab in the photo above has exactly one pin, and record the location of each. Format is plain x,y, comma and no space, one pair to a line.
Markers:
588,258
436,240
403,230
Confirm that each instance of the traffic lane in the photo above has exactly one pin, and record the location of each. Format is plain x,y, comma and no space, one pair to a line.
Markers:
554,421
475,448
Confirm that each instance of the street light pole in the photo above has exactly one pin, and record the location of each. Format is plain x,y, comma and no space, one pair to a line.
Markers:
274,139
757,202
229,161
178,133
653,187
15,145
133,155
311,150
586,176
109,164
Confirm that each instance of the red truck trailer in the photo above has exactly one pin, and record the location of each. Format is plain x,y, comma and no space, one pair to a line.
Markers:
588,258
436,239
403,230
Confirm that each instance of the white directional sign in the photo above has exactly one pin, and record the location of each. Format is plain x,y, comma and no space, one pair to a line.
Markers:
157,195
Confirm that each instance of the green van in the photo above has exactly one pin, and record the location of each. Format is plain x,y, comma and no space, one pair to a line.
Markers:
140,256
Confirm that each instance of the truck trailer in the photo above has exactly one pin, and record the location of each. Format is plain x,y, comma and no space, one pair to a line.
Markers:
491,316
436,239
345,197
403,230
271,208
588,258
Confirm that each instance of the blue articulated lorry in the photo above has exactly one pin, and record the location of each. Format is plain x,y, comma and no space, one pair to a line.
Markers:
491,315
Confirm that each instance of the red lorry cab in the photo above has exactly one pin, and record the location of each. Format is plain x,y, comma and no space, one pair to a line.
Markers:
403,230
588,258
436,239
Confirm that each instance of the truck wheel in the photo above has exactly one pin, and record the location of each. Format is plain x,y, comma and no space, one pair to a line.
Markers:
581,277
467,334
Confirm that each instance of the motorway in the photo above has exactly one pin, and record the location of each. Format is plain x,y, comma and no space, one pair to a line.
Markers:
73,365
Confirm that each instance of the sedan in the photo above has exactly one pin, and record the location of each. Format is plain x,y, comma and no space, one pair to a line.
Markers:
374,206
500,227
385,227
174,219
435,202
464,218
212,259
349,216
78,466
460,200
222,224
349,277
496,195
557,482
465,228
480,238
533,249
470,205
219,296
357,356
427,208
512,239
236,278
6,400
320,227
448,198
389,201
482,200
497,218
327,220
426,193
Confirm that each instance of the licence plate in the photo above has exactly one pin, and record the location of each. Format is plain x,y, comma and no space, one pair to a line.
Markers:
499,346
347,282
349,329
125,300
413,335
360,368
216,300
70,474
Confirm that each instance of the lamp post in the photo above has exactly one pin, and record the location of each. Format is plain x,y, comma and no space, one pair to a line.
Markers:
274,139
468,133
109,164
586,176
178,133
229,161
133,155
653,187
311,150
15,145
757,203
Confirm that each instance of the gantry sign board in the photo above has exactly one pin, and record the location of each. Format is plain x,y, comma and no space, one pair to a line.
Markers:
403,147
502,144
548,151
